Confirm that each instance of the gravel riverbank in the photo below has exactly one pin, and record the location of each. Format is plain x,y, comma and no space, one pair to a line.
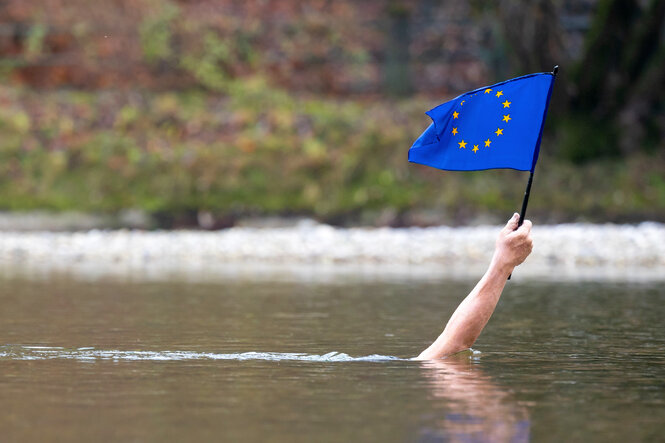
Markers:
572,251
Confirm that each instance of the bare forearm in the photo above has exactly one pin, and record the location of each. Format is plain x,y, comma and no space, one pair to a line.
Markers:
471,316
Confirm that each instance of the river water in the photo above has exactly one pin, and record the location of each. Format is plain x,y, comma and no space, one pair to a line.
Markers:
327,360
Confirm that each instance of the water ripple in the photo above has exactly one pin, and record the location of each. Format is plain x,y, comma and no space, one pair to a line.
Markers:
92,354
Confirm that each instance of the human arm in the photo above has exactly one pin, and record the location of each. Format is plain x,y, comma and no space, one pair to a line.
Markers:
467,322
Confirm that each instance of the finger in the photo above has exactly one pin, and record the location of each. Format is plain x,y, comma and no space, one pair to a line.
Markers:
525,229
512,223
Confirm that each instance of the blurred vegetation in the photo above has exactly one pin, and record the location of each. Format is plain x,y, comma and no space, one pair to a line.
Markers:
267,108
257,150
610,101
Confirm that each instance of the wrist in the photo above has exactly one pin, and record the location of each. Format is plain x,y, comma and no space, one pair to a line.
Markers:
500,267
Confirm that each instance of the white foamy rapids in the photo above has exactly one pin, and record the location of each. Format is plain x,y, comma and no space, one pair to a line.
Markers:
616,252
90,354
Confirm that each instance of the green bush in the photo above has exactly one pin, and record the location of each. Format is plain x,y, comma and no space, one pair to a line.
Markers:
258,150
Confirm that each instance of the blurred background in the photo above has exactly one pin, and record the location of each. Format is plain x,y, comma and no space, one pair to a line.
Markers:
202,113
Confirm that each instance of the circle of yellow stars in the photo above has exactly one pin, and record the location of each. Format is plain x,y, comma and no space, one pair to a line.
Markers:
499,131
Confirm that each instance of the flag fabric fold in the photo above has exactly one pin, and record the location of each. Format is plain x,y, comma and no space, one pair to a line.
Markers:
496,126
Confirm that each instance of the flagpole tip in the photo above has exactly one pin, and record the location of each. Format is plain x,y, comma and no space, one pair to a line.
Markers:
555,70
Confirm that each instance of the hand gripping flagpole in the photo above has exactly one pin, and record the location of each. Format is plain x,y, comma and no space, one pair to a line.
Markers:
527,191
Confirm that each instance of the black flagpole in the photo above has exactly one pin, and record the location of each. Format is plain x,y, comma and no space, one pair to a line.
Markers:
525,202
527,192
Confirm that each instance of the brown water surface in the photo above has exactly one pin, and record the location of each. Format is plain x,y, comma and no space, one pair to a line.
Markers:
327,361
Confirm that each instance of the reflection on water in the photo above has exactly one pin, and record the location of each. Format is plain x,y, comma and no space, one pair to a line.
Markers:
476,408
252,361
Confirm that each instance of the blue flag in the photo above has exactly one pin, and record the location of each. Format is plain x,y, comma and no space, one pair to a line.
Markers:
497,126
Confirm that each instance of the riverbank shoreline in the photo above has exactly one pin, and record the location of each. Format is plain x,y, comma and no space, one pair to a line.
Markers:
309,249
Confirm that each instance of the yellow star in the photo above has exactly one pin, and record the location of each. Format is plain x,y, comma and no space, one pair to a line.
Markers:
455,114
454,131
499,94
462,144
487,143
498,132
475,148
506,118
506,104
488,90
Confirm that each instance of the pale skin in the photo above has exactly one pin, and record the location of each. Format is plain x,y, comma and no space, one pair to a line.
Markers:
467,322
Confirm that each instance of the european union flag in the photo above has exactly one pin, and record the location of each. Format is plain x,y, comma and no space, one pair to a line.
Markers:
497,126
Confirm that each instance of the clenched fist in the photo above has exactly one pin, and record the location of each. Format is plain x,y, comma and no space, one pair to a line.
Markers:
513,245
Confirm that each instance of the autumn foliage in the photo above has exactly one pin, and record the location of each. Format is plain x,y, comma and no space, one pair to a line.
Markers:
308,108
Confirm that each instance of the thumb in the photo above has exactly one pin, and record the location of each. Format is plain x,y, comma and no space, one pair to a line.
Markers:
512,223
